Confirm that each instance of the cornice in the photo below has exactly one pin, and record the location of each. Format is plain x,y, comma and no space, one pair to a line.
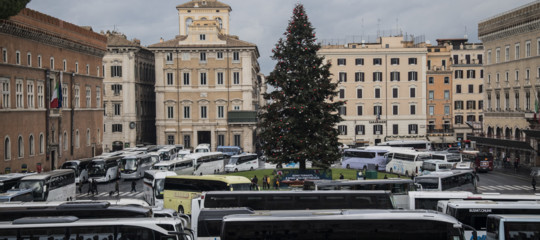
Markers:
18,30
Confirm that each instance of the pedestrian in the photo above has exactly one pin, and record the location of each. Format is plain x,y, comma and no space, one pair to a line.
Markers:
341,176
533,183
516,164
264,182
268,182
255,183
94,186
385,177
80,187
133,184
117,188
90,185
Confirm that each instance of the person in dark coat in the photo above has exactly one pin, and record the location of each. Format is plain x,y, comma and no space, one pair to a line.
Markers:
533,183
133,184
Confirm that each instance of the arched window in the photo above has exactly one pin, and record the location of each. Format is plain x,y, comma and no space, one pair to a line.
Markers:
20,147
65,141
220,22
31,145
41,143
7,149
189,21
77,139
87,137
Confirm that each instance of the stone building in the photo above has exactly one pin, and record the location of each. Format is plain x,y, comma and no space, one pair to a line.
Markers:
38,52
128,96
384,86
512,84
207,81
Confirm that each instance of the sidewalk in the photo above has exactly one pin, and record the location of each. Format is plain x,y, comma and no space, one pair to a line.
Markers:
522,171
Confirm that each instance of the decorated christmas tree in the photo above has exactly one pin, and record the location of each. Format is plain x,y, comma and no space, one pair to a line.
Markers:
298,124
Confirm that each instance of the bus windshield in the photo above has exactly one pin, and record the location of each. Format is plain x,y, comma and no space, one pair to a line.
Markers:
240,186
233,160
97,169
159,187
129,164
36,186
428,183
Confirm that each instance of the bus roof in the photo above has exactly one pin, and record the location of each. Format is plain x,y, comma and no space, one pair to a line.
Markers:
80,160
167,163
494,205
44,175
516,217
10,176
221,178
351,182
441,195
444,174
498,196
381,150
160,173
329,192
368,214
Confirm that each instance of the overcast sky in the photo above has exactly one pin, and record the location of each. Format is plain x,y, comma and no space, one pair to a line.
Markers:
263,22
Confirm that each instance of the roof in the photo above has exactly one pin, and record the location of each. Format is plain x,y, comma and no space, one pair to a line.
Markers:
231,41
204,4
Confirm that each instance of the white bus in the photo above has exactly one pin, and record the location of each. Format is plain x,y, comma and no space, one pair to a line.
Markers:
104,169
512,226
361,158
57,185
243,162
154,183
179,166
202,148
133,167
207,163
474,213
11,180
422,145
167,153
70,227
429,199
455,180
342,224
17,195
436,166
81,167
405,162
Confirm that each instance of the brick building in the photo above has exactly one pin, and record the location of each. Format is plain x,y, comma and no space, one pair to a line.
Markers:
39,51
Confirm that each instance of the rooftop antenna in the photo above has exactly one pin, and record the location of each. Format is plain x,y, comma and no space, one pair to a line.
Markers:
378,27
466,34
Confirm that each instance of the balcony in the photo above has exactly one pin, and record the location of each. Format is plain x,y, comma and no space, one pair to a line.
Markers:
242,117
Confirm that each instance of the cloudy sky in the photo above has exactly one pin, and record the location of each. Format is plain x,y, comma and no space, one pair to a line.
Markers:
263,22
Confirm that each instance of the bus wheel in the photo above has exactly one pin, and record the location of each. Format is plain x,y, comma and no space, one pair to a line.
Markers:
407,173
392,170
251,169
348,166
180,209
236,170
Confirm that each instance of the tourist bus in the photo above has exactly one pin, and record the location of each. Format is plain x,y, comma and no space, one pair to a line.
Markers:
406,162
512,226
399,187
474,213
442,206
80,167
180,190
153,185
428,199
455,180
179,166
167,153
71,227
436,166
11,180
207,163
421,145
17,195
216,205
229,151
105,169
342,224
243,162
483,161
57,185
133,166
361,158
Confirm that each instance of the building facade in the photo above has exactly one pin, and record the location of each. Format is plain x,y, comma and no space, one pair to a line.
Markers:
208,84
128,97
512,83
40,52
439,96
384,87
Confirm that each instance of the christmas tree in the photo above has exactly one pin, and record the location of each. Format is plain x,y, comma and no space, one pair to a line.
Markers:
298,124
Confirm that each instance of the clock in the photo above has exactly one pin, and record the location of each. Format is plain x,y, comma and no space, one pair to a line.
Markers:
132,125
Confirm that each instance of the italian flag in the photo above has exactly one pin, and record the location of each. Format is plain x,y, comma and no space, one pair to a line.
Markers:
56,99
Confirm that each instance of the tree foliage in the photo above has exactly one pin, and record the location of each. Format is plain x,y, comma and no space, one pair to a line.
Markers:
299,122
10,8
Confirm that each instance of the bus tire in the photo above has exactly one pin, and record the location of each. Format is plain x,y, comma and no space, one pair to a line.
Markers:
180,209
348,166
407,173
392,170
236,170
251,169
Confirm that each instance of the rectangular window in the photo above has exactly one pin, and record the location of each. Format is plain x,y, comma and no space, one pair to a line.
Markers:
170,139
220,78
39,61
358,93
341,62
202,56
19,89
236,56
187,141
117,109
481,104
41,98
431,80
221,140
458,105
458,88
236,78
395,110
237,140
169,57
431,110
77,67
77,96
29,60
395,93
394,76
170,112
116,71
413,109
377,61
377,111
412,61
342,93
497,55
377,93
342,77
431,95
446,80
221,111
377,76
471,88
359,110
507,53
413,128
204,112
342,129
203,78
187,112
394,61
377,129
186,79
517,51
98,96
359,61
395,129
220,55
471,74
446,94
18,58
88,97
170,79
358,76
5,59
117,128
360,129
458,74
528,49
412,92
30,94
413,76
202,37
456,59
446,110
343,110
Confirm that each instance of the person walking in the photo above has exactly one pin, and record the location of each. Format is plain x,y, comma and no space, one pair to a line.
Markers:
264,182
516,164
255,183
133,185
80,187
94,186
341,176
90,185
117,188
533,183
268,183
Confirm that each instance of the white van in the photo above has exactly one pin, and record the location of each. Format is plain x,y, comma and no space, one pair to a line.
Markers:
202,148
243,162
